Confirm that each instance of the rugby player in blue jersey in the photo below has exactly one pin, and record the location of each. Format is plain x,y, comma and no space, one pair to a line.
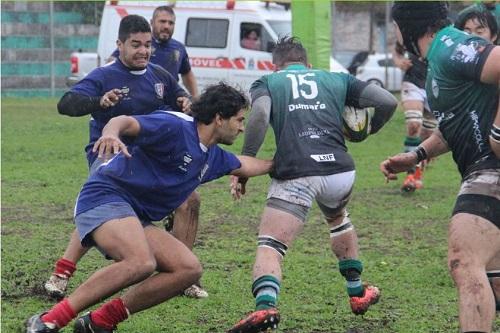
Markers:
171,55
128,86
168,52
462,85
170,155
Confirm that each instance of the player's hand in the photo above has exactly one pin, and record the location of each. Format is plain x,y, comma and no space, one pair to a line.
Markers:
398,163
238,187
108,146
184,104
405,64
111,98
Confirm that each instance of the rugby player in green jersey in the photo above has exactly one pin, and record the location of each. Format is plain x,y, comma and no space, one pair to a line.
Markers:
304,106
462,86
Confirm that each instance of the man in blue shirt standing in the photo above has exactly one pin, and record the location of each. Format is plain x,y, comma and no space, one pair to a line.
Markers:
128,86
172,154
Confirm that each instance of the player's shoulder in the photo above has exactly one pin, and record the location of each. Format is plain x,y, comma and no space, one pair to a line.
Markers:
177,44
159,70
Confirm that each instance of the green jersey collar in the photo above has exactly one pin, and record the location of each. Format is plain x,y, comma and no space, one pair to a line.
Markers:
295,67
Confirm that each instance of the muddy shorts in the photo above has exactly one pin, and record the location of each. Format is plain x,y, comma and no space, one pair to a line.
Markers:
480,195
295,196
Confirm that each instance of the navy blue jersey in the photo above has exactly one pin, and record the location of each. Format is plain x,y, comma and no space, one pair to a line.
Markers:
143,92
168,163
170,55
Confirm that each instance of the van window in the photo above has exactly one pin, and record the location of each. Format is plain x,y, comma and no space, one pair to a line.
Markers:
254,36
210,33
281,28
384,62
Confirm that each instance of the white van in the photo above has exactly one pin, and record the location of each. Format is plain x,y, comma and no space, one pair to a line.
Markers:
213,33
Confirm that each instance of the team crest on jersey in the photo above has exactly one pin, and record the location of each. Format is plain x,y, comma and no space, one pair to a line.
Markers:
175,56
465,53
159,88
186,159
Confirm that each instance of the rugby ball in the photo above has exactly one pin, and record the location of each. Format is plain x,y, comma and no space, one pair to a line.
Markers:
356,123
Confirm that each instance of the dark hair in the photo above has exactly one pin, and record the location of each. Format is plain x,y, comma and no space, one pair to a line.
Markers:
132,24
485,18
417,18
219,99
167,9
289,49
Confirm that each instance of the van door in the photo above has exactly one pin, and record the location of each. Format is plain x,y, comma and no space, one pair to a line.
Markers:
207,43
252,43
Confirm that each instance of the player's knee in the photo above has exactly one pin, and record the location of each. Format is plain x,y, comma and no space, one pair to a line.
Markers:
461,267
337,218
141,267
340,225
192,269
277,247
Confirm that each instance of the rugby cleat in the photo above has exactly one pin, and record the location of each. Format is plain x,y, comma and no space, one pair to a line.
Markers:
359,305
258,321
84,324
409,184
56,286
196,291
36,325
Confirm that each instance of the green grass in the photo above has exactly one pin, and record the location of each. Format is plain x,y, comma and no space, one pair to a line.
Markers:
402,238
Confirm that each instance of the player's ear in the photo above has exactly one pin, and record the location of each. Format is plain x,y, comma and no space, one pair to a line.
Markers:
218,119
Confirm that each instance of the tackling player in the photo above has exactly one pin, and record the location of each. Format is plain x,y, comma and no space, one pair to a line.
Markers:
129,85
172,154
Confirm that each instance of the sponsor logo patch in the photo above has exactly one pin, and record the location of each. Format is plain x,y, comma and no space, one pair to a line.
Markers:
324,157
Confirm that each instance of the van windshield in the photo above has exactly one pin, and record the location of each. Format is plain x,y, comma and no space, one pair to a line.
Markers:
281,28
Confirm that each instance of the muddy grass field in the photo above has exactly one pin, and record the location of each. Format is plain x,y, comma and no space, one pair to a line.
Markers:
402,239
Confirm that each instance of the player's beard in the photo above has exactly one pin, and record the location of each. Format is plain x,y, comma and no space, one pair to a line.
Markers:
164,36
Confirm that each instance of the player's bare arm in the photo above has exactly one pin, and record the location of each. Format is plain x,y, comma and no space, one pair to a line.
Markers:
189,82
435,145
250,167
491,74
109,143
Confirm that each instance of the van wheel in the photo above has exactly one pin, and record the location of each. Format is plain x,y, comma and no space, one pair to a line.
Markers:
376,82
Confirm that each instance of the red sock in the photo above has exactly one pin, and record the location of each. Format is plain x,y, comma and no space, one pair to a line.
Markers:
60,315
65,268
110,314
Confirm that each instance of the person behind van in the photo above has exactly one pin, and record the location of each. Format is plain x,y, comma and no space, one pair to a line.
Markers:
251,40
130,85
311,163
168,52
143,183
